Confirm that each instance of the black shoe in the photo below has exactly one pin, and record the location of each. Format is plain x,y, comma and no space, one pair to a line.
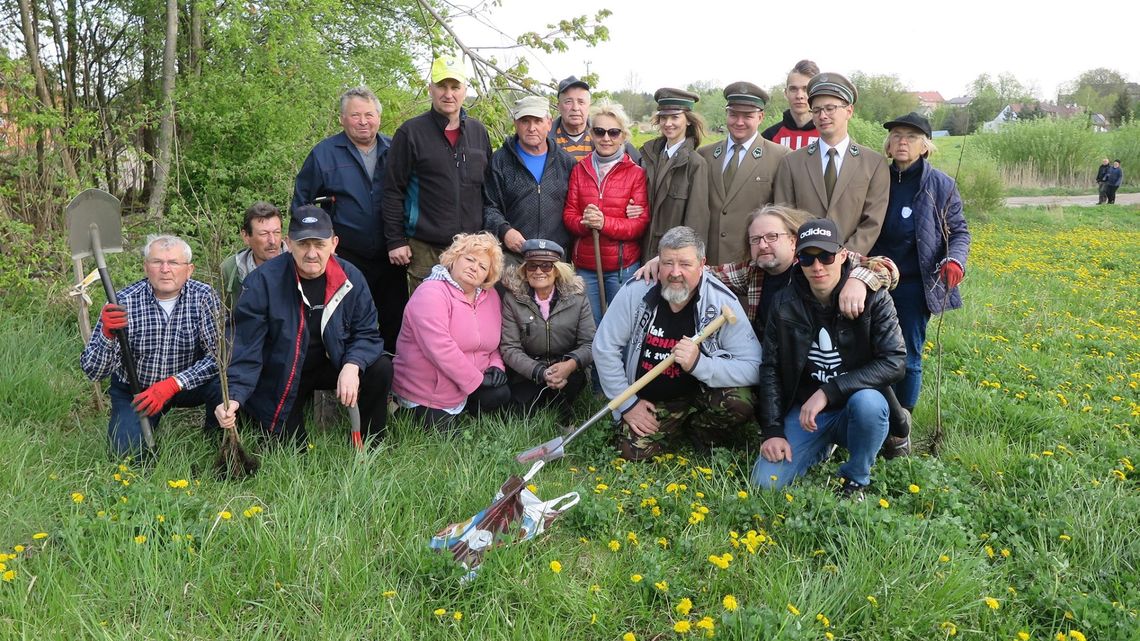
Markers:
849,489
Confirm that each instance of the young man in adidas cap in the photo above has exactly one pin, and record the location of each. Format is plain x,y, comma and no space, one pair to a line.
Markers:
825,379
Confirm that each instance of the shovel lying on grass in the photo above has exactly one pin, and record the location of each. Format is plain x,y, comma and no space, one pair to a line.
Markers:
554,449
95,228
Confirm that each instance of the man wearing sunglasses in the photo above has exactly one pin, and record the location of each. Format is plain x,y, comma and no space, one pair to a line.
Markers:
825,379
835,177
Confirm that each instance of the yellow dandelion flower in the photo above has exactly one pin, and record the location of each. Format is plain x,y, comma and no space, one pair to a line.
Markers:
40,535
1076,635
872,600
655,511
914,489
1119,475
614,546
742,494
1005,553
1065,537
458,616
706,623
439,612
628,636
1022,636
247,514
635,578
993,603
662,586
631,537
788,497
9,576
824,621
179,484
989,551
225,515
682,627
389,594
683,606
17,548
555,567
730,603
1061,636
829,636
140,539
949,628
595,588
943,559
76,497
884,503
593,618
794,610
532,487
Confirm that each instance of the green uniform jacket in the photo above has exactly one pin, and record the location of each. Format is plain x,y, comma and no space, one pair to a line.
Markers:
678,191
729,205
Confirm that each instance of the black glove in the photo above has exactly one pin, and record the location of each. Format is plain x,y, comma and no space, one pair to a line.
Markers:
494,377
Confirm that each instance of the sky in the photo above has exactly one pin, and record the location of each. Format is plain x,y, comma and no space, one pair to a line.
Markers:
929,46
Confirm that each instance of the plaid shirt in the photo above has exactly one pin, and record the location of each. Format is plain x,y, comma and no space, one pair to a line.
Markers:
747,282
182,346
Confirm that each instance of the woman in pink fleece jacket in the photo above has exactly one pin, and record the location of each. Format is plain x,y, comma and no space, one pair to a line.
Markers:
447,359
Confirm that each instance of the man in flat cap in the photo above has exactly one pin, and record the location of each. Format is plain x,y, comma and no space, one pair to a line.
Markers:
572,128
524,196
677,176
436,168
835,177
742,170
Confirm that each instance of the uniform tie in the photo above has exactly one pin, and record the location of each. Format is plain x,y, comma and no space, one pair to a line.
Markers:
829,173
730,168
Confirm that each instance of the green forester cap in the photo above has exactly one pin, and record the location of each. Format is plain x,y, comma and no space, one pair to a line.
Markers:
673,101
745,94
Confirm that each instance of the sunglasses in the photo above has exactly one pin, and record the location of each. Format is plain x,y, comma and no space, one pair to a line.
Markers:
545,268
602,133
807,260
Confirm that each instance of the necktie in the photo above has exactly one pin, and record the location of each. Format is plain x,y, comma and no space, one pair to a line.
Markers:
829,173
730,168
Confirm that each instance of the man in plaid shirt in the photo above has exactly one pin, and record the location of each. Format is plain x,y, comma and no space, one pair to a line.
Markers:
172,326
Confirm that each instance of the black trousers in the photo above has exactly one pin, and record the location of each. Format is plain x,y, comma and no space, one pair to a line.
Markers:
372,398
388,285
1110,193
528,397
482,400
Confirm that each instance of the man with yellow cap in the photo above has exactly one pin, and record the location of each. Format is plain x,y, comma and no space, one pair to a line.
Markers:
436,168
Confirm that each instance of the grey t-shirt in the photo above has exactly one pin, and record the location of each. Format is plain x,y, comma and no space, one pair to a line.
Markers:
369,160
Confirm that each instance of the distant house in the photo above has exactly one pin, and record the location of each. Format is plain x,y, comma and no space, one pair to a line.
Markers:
1099,123
960,101
1010,112
928,101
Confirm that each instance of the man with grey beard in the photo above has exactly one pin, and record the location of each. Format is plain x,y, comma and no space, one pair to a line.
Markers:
705,396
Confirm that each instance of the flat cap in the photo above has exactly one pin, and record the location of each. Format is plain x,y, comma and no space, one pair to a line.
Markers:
571,81
745,95
832,84
913,120
674,101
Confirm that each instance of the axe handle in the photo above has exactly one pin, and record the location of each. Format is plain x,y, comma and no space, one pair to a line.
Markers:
125,355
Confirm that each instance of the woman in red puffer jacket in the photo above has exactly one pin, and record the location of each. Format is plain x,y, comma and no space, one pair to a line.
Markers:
602,186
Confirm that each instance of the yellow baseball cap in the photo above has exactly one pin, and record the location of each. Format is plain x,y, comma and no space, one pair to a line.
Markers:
445,67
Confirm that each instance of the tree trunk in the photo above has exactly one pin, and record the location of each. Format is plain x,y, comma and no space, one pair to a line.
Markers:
31,43
195,37
166,132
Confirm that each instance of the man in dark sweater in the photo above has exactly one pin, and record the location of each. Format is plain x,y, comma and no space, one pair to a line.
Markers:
1102,181
797,129
437,165
825,378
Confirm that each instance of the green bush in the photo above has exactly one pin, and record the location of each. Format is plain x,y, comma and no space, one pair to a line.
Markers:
1124,144
1045,151
866,133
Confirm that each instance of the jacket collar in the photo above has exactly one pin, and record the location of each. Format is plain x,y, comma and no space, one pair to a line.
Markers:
334,276
441,120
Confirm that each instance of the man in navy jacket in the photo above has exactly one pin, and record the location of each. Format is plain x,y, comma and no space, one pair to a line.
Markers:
350,168
305,321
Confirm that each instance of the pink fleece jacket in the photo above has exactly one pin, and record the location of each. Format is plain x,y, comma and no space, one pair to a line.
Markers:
445,344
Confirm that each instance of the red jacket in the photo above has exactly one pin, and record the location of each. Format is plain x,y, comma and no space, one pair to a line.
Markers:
620,240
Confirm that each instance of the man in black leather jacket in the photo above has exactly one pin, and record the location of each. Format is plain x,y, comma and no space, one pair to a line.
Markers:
825,378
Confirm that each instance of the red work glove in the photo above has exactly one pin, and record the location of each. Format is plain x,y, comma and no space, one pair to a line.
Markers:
113,317
951,274
154,398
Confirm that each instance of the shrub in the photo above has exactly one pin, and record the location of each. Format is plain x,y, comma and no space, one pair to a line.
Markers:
1124,144
1054,152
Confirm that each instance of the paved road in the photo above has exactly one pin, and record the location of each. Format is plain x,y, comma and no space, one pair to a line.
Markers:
1069,201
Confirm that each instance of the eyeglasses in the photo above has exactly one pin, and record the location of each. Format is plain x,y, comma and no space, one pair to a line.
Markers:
545,268
602,133
769,238
909,137
171,264
807,260
827,109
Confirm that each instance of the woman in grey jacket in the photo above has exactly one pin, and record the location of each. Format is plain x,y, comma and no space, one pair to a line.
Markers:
548,329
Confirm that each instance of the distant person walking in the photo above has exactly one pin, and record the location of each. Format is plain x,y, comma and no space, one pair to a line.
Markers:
1113,181
1102,181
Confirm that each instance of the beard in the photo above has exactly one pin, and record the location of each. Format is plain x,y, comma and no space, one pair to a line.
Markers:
676,295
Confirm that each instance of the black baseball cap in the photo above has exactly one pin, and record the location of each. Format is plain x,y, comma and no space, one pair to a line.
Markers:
820,233
310,221
913,120
572,81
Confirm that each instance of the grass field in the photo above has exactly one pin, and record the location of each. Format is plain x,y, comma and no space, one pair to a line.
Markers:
1026,527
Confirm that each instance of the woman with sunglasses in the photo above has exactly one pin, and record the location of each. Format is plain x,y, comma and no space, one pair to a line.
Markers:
677,175
925,234
548,329
602,185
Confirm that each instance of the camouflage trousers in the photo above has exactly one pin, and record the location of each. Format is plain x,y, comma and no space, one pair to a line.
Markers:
708,417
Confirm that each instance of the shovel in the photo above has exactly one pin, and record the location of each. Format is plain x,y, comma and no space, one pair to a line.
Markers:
553,449
94,228
354,422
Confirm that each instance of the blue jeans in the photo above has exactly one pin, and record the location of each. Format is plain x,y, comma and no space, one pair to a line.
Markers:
910,304
612,281
861,427
124,431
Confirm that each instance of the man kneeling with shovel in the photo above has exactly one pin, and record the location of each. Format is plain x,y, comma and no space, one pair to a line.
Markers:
306,321
705,394
173,334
